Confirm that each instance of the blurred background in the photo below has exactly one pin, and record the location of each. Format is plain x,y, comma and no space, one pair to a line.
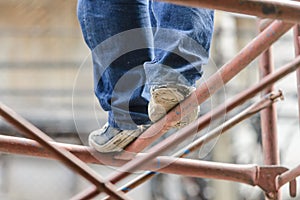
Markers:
46,76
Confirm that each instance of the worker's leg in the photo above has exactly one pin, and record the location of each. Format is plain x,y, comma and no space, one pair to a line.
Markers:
114,31
182,42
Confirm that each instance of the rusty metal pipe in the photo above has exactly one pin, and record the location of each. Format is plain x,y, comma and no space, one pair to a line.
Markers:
204,169
297,53
288,176
287,10
268,116
22,146
264,177
240,173
64,156
297,39
248,174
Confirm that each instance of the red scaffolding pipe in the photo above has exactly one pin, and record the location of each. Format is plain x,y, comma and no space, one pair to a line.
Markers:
248,174
297,53
292,174
287,177
66,157
285,10
269,116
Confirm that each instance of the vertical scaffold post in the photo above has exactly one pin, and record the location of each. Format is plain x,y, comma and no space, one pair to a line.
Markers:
297,52
268,115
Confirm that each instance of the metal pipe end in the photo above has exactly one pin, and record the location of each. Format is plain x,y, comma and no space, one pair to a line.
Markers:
293,188
292,185
275,96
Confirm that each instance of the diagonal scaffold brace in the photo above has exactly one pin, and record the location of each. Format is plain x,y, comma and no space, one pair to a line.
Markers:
64,156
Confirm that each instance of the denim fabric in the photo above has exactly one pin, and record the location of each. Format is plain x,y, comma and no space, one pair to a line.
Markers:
139,43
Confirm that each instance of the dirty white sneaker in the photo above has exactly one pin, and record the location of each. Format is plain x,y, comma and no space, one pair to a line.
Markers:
110,139
164,98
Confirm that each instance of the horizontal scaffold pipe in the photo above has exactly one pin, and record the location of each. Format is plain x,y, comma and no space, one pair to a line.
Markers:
284,10
164,164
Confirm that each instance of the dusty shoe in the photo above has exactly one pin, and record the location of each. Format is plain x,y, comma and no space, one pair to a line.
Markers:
109,139
164,98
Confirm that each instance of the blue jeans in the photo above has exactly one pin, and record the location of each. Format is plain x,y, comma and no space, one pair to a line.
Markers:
139,43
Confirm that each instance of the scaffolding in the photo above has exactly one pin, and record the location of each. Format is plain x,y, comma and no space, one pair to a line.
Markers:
282,16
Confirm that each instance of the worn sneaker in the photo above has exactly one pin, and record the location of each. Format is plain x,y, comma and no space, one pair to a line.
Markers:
164,98
110,139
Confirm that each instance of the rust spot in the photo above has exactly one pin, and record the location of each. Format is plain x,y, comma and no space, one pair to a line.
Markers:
268,9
